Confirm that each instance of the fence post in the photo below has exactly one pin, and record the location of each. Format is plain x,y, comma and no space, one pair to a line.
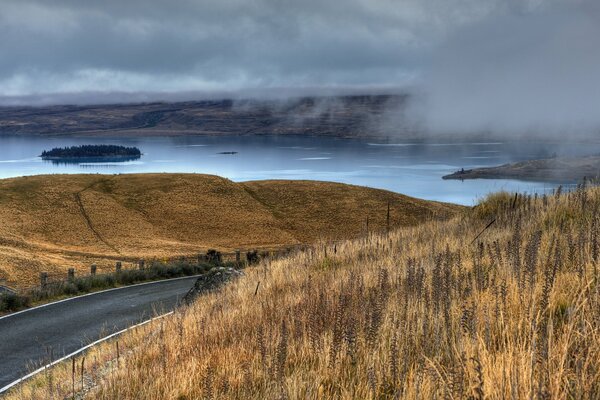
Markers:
142,264
93,269
118,266
71,274
201,258
387,220
238,257
43,279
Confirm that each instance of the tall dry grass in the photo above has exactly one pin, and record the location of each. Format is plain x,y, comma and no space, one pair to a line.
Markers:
420,313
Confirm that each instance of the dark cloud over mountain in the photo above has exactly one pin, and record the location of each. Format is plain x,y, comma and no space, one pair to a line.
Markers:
157,45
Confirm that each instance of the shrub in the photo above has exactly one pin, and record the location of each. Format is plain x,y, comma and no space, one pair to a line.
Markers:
13,302
252,257
70,288
214,256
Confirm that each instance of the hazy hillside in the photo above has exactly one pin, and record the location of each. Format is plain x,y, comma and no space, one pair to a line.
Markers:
425,312
349,116
53,222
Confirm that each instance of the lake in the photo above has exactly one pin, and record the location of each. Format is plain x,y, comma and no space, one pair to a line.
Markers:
408,168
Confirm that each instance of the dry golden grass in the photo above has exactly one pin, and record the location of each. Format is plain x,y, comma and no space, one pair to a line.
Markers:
309,207
51,223
421,313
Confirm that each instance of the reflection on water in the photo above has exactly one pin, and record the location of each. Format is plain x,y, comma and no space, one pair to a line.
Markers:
410,168
91,161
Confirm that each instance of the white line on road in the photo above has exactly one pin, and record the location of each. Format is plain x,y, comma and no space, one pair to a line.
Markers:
37,371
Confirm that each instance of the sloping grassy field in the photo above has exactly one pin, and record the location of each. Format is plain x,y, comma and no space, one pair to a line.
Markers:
425,312
55,222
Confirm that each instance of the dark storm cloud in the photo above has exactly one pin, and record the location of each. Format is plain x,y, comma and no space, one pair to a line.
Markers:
160,45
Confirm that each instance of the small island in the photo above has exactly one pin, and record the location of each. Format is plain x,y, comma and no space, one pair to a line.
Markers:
101,152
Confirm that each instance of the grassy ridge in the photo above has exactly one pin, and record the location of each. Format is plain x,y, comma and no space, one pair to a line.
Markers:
422,313
51,223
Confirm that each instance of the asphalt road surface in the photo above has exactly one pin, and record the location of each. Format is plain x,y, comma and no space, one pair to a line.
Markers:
39,336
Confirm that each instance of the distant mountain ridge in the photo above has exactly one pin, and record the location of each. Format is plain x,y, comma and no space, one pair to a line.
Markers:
346,116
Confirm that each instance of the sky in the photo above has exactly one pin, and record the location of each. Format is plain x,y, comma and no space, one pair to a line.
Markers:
470,64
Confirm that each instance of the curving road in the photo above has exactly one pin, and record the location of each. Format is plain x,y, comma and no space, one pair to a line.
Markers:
40,335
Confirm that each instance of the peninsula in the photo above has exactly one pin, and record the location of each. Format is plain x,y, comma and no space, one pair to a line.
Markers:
556,169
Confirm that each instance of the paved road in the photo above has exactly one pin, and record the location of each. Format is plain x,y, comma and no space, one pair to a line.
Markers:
64,327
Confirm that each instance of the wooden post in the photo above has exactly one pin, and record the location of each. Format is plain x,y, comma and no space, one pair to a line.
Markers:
43,279
71,274
93,269
238,257
142,264
118,266
387,221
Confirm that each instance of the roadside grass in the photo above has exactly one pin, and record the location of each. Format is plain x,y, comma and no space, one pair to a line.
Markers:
423,312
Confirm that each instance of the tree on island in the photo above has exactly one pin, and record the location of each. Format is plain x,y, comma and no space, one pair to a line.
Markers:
92,151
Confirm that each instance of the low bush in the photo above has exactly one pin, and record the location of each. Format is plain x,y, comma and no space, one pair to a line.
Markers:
13,302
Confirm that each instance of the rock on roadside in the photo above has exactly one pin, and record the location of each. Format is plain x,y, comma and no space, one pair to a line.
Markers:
210,281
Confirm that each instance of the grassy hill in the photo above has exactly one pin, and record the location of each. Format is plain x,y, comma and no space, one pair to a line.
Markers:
51,223
424,312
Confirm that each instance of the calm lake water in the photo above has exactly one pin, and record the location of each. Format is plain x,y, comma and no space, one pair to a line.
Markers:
412,169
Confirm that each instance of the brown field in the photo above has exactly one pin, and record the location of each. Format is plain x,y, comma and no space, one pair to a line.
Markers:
425,312
55,222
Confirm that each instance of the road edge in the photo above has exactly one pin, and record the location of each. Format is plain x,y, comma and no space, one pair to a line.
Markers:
79,351
94,293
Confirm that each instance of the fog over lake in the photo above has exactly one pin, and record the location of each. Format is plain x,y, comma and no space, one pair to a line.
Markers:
410,168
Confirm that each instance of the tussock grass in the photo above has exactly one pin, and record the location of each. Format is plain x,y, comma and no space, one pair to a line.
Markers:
493,204
419,313
52,223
